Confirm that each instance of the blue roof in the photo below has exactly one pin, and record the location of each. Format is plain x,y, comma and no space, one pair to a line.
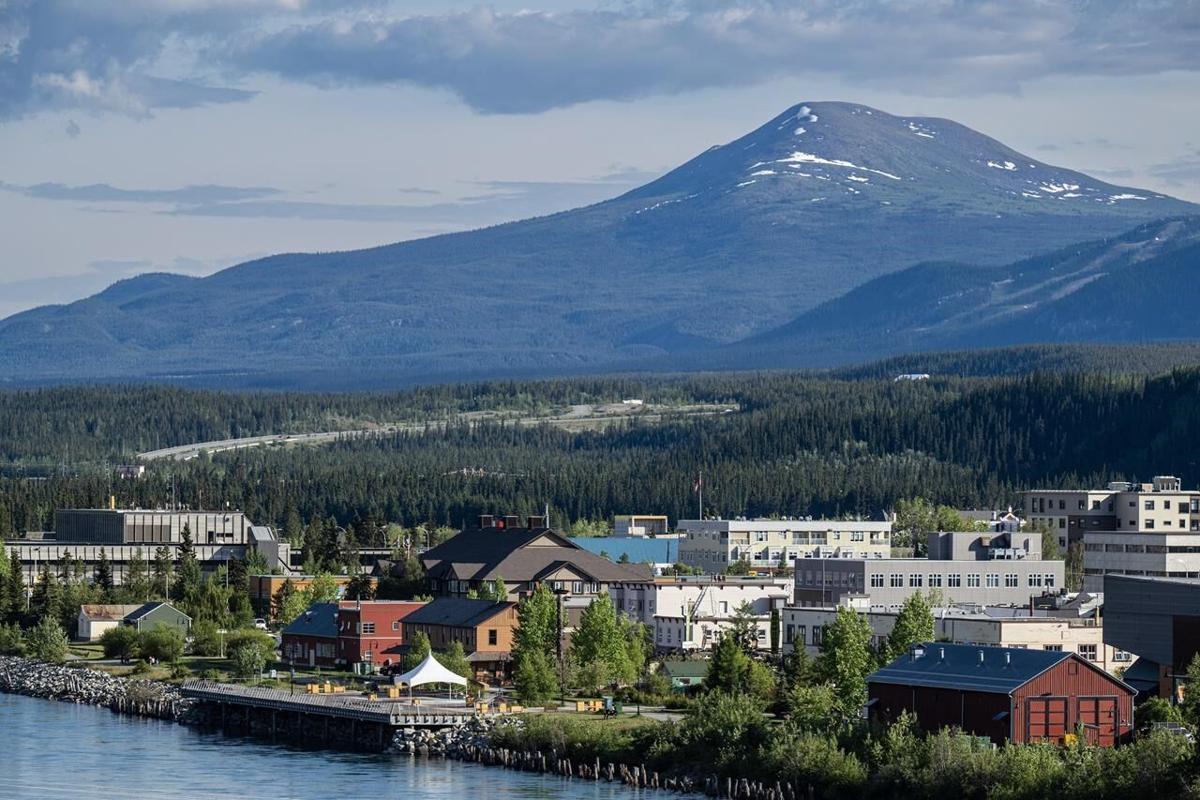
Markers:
639,550
319,619
968,667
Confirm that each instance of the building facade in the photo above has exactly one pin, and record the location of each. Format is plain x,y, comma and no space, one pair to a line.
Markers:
976,568
1161,506
713,545
124,535
994,627
372,631
1005,694
1146,553
311,639
484,628
1157,619
640,525
691,612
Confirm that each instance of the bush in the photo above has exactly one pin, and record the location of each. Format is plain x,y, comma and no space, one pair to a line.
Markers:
11,641
206,639
120,642
580,738
248,661
812,759
47,641
252,638
163,643
724,731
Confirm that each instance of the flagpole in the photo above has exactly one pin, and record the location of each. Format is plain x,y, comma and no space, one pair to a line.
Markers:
700,494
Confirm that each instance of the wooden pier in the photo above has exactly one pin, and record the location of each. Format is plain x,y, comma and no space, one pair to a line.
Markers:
341,721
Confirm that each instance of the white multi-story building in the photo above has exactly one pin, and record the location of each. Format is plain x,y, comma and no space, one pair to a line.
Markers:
997,627
713,545
691,612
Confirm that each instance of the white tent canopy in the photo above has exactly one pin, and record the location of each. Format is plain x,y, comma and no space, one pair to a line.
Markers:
429,671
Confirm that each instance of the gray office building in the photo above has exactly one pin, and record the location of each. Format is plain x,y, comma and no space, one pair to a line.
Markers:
985,569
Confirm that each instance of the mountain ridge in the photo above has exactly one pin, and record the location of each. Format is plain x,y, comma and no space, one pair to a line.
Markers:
706,255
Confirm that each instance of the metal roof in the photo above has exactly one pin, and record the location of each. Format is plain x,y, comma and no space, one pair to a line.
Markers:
147,608
319,619
457,612
686,669
998,670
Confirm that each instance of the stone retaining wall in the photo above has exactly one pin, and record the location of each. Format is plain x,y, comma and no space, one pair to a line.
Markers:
90,687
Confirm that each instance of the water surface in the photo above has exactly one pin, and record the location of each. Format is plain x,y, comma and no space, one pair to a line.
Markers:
57,750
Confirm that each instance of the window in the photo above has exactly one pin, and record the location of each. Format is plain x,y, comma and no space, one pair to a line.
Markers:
1048,578
789,634
1122,656
993,580
1088,651
954,580
395,624
1149,505
1095,505
972,580
916,581
1081,505
856,536
935,580
817,631
577,587
876,580
1062,505
1062,522
492,637
1056,648
1035,579
896,580
1149,525
368,627
1010,580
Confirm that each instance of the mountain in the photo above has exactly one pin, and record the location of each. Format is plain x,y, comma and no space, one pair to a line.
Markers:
743,237
1138,287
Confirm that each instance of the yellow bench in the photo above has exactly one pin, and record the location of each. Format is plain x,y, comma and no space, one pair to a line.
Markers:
339,689
312,688
372,696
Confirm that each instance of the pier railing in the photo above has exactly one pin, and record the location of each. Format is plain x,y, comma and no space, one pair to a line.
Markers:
388,712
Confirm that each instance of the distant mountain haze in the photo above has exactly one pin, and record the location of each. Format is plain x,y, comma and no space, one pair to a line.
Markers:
739,241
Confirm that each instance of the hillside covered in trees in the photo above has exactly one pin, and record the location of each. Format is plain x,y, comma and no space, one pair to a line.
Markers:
798,445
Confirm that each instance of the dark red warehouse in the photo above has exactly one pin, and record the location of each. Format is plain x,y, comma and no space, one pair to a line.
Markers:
1006,694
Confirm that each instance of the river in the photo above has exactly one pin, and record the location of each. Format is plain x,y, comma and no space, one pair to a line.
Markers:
51,750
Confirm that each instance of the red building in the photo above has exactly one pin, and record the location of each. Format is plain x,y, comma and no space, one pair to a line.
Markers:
372,631
1006,694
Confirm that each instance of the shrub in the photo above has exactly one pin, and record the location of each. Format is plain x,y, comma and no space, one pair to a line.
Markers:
120,642
248,661
253,638
47,641
11,641
163,643
813,759
206,639
725,731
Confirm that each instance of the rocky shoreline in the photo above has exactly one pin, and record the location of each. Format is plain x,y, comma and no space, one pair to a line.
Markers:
91,687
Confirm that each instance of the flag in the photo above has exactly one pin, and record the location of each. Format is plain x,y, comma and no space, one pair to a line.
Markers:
697,484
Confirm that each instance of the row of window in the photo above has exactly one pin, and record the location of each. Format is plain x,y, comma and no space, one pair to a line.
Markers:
954,580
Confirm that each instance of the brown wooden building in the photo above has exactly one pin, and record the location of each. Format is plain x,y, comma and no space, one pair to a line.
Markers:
1006,694
483,627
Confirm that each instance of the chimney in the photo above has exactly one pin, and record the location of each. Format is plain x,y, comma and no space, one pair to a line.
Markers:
537,521
487,521
941,653
512,521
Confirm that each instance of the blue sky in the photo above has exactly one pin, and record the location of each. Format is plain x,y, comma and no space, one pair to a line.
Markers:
189,135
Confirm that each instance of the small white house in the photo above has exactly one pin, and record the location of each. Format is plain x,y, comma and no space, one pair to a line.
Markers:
94,620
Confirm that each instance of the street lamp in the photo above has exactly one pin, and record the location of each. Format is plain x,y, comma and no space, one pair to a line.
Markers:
559,592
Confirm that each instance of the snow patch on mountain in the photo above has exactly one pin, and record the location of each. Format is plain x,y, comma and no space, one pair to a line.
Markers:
1005,165
799,157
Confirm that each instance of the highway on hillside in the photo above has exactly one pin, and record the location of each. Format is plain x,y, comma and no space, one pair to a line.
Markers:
579,417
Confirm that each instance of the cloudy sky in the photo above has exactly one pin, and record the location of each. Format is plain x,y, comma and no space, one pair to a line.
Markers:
189,135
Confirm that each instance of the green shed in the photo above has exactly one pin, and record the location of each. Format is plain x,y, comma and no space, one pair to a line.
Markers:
684,674
151,615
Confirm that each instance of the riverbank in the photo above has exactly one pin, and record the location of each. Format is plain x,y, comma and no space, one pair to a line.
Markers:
84,686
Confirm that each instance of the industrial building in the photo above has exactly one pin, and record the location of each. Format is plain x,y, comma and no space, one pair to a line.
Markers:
125,534
1158,620
1005,694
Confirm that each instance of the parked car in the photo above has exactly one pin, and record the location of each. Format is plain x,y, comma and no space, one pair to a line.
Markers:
260,623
